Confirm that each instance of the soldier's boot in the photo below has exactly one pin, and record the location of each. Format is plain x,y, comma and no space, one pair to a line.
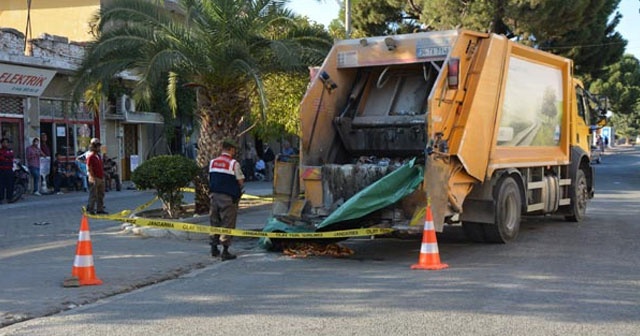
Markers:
215,252
226,255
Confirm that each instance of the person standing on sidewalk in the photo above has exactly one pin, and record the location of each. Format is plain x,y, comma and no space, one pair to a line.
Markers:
269,158
95,173
226,181
6,170
34,153
46,150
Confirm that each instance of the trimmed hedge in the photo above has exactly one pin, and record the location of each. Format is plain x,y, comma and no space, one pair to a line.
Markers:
167,174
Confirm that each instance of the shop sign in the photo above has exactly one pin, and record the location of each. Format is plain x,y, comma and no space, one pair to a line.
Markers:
24,81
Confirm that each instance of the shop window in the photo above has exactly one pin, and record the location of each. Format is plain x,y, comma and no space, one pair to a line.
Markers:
80,112
51,108
11,105
62,143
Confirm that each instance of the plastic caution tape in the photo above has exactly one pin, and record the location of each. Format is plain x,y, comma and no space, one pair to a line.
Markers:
123,213
189,227
146,205
244,196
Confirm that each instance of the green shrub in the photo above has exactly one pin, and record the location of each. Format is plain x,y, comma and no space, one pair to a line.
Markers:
167,174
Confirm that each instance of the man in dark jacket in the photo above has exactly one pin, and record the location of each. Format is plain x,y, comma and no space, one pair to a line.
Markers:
6,170
225,184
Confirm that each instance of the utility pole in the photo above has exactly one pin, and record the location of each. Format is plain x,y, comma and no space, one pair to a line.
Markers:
347,19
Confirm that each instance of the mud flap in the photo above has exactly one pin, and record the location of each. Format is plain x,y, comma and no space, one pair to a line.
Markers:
436,177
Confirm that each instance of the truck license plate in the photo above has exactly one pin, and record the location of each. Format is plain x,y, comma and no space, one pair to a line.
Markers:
432,52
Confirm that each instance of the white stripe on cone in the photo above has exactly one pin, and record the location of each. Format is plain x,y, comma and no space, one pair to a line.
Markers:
428,226
429,248
84,236
83,261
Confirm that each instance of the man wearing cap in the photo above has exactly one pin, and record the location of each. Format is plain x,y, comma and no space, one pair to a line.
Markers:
6,170
225,184
95,173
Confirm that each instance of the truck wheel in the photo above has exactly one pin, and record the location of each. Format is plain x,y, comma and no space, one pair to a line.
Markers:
507,213
579,198
473,231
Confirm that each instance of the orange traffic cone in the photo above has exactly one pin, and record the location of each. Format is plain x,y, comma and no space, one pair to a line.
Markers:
429,254
83,263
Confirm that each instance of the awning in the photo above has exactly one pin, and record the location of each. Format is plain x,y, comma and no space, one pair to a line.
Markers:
143,118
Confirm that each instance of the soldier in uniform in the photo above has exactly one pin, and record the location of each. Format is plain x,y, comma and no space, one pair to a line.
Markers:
226,181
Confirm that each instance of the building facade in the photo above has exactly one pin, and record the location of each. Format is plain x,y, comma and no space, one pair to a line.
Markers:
45,39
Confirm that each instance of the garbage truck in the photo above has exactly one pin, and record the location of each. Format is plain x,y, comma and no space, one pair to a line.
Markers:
479,128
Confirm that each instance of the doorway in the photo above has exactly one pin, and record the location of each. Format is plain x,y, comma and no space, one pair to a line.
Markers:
12,129
131,138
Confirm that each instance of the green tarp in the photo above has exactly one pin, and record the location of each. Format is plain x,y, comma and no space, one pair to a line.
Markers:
274,225
384,192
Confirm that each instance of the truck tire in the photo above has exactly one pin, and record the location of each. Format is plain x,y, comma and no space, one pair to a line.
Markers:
508,206
579,198
473,231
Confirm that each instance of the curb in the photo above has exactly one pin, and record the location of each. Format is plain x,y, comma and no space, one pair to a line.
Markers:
183,235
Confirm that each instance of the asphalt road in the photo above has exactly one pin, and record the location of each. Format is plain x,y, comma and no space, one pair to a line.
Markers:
559,278
38,238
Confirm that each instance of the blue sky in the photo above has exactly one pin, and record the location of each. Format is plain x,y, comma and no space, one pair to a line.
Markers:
327,10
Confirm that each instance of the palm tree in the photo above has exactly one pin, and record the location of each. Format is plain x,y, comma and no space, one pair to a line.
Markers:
220,48
93,99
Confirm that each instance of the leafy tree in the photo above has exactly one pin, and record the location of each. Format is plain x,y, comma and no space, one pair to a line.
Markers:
186,108
284,93
376,17
627,126
579,29
167,174
621,85
337,30
219,48
93,98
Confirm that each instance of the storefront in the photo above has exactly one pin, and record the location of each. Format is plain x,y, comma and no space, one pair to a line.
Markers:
11,122
35,100
19,86
69,127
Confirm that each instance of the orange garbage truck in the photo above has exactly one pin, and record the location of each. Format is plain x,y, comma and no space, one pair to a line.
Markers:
481,128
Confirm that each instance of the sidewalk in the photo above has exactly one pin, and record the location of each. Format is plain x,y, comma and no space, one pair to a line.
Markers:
251,188
251,216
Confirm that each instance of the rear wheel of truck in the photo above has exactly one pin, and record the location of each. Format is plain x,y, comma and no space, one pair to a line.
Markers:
507,213
579,198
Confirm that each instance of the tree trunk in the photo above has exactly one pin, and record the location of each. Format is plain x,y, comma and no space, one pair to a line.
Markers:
220,113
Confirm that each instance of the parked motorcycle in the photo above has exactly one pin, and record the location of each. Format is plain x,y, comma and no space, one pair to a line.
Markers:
21,180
